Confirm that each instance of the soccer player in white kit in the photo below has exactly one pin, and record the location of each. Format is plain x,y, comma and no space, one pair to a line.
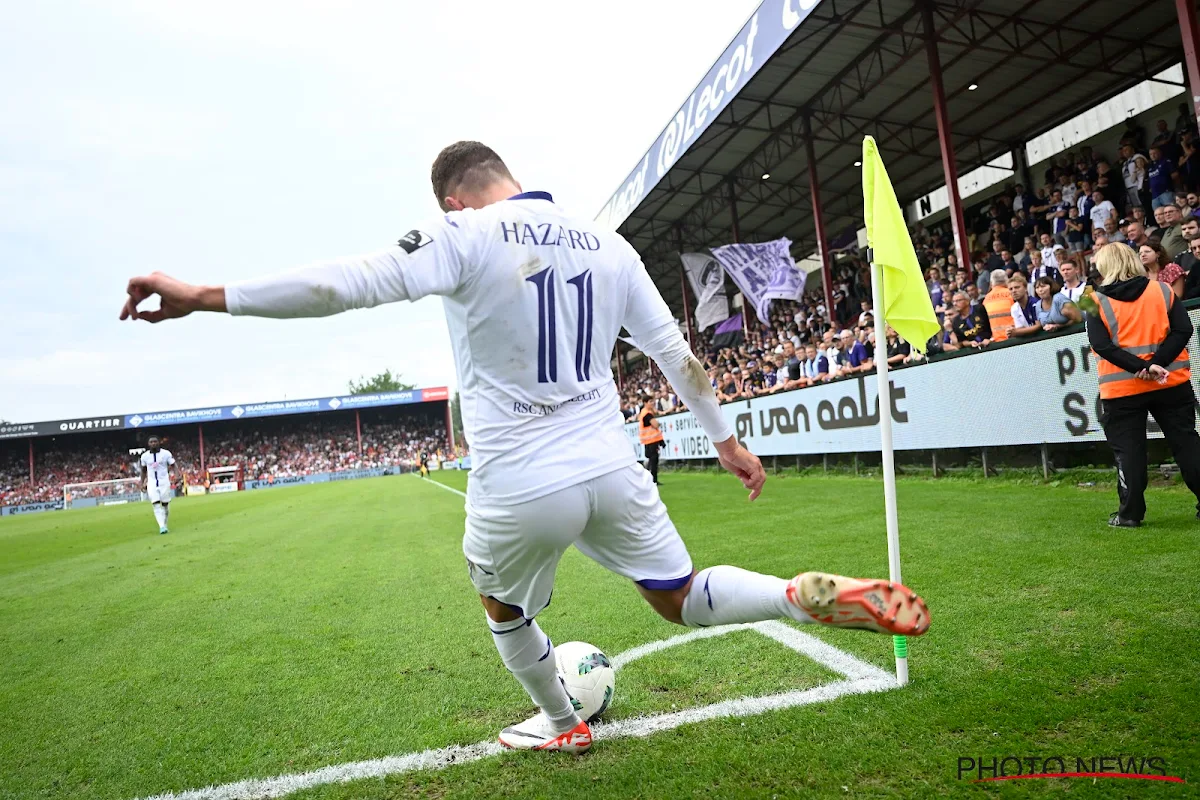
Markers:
534,300
156,466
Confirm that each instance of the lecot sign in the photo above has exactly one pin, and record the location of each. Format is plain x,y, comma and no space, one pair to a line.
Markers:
759,38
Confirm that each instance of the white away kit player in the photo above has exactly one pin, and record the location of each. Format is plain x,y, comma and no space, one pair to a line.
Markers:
156,466
534,300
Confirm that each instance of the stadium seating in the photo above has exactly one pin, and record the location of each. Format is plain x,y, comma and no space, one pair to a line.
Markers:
321,446
301,446
739,370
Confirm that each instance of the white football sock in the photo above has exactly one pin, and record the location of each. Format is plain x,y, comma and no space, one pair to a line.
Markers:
724,595
159,515
529,655
166,507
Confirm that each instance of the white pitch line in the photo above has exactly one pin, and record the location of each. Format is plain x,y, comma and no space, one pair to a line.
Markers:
634,653
742,707
824,654
258,788
447,488
861,679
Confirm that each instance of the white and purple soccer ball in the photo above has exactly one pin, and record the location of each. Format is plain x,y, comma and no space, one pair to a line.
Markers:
588,677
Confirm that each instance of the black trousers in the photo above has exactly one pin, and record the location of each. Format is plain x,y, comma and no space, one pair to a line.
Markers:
1124,422
652,459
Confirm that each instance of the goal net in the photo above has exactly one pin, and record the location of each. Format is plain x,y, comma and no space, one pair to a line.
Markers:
103,493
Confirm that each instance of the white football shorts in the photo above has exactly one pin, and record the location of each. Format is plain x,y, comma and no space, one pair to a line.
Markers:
159,494
616,520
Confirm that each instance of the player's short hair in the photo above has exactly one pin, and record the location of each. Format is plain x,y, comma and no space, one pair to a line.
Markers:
152,439
465,165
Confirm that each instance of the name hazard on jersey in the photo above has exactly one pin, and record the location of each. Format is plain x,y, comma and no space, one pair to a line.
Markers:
539,410
548,234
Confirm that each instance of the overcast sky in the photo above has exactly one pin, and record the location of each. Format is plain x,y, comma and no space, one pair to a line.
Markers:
224,139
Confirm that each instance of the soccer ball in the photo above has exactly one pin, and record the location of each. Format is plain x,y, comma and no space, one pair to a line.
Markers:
587,675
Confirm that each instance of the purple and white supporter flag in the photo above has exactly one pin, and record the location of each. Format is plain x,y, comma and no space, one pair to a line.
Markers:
731,325
764,272
708,285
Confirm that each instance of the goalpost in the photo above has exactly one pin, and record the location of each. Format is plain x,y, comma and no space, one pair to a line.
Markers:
103,493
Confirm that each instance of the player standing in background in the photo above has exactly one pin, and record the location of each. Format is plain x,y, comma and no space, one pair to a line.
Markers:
534,300
156,466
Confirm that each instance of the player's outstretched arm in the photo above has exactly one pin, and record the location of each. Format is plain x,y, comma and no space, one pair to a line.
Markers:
177,299
315,290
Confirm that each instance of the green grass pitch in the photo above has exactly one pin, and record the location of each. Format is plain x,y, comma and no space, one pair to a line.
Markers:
281,631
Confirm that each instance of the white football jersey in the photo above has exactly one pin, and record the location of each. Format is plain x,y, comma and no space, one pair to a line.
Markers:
156,466
534,300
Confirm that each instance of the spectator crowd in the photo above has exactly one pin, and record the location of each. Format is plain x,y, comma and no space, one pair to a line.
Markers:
85,461
318,446
266,450
1031,267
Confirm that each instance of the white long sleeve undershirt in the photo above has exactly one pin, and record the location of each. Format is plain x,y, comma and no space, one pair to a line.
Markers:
322,289
686,375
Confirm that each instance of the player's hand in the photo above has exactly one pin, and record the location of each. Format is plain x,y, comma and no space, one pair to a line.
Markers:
176,298
743,464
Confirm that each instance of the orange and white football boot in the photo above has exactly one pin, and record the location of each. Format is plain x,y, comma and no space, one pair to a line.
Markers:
871,605
538,733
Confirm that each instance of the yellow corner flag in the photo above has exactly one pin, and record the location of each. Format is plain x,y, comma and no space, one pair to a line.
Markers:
906,303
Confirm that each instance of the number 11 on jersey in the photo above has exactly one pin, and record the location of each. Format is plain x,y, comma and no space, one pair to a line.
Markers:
548,332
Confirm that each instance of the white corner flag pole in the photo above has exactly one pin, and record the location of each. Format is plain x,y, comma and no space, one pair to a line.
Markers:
900,643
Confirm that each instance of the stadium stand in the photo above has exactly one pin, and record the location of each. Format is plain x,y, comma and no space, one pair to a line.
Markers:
282,450
1081,188
267,448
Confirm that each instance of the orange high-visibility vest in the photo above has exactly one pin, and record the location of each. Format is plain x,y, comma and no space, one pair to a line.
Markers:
647,434
1139,326
998,303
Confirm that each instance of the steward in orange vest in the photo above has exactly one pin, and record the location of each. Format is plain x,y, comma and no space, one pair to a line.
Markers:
650,436
998,303
648,430
1140,327
1140,336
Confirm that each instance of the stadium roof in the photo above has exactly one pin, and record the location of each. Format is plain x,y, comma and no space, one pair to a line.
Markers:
154,419
835,70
